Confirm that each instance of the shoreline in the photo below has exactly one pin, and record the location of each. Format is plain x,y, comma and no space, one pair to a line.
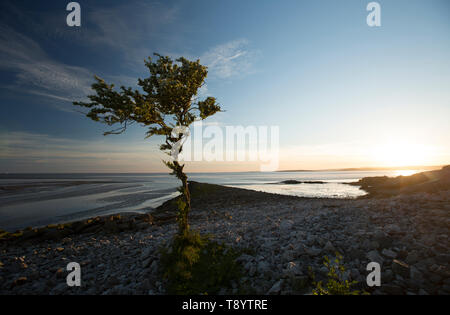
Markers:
285,235
167,207
364,188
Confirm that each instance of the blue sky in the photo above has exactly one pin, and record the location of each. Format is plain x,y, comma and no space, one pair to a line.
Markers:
343,94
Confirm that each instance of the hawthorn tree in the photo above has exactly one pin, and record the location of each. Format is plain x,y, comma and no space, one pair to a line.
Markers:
166,101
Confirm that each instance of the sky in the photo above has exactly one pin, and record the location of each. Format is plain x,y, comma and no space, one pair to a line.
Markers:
342,94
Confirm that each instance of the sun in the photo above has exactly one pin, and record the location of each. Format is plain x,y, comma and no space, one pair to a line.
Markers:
401,154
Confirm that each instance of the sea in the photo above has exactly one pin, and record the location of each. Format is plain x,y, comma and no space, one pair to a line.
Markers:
33,200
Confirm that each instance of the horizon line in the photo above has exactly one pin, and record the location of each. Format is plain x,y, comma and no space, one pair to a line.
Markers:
352,169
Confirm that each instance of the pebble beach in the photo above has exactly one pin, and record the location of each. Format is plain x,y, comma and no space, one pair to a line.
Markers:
282,237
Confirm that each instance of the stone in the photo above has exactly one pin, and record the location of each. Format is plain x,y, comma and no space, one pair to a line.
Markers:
329,248
412,258
374,256
400,268
382,239
389,253
263,267
356,254
287,255
286,224
146,263
387,276
20,281
252,271
415,274
276,288
443,259
60,273
313,252
423,292
147,252
355,275
393,229
292,270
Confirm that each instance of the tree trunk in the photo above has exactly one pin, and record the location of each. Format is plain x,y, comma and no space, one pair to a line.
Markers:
187,209
185,206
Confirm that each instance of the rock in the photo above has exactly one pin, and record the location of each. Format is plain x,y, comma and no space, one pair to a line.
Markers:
252,271
112,281
354,273
387,276
313,252
329,248
382,239
287,255
389,253
416,277
374,256
53,234
248,265
423,292
286,225
443,259
434,278
276,288
263,267
60,273
299,249
111,226
244,259
147,252
20,281
292,270
146,263
393,229
412,258
400,268
356,254
154,266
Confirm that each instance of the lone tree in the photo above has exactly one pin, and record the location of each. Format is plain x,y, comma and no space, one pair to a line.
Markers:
166,103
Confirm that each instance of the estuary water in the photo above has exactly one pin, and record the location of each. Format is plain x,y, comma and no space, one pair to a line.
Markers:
41,199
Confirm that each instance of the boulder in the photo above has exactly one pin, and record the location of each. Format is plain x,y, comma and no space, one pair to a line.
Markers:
276,288
400,268
374,256
389,253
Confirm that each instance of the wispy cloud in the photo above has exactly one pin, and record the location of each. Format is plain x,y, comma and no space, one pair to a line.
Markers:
36,73
131,36
233,58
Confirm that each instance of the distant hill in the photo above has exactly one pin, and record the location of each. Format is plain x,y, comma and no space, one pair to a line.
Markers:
356,169
431,181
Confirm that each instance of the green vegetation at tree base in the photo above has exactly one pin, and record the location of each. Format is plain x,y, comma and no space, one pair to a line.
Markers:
195,264
336,284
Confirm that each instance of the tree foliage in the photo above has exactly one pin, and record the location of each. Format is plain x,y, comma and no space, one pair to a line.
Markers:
167,98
